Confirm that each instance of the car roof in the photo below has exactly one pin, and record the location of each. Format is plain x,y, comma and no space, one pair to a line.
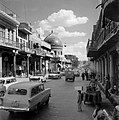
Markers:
26,85
7,78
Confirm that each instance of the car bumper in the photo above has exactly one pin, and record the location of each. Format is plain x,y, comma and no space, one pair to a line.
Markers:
14,109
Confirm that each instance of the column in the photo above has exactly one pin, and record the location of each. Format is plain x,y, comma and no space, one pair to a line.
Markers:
34,66
6,35
45,65
99,73
14,62
97,67
10,34
41,64
0,64
105,60
14,35
49,66
28,55
111,71
102,71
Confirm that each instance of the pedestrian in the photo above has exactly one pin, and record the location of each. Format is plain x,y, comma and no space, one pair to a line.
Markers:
86,74
116,113
98,113
79,101
107,85
83,76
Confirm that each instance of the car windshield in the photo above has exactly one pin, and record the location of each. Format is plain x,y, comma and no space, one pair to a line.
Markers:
16,91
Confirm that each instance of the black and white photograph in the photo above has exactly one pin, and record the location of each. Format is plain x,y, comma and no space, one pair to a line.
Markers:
59,59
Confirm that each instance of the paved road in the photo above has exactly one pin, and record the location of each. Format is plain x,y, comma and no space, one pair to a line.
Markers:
62,105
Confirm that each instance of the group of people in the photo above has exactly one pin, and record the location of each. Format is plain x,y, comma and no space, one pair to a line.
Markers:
85,75
98,113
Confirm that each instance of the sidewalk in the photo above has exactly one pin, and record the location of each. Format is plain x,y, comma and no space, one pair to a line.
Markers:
106,104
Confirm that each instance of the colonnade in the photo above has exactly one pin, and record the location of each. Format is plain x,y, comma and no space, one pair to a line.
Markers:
104,66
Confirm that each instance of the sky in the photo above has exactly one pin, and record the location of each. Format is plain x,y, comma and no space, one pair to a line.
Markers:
71,20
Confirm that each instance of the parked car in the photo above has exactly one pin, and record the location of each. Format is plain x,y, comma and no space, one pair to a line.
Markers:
25,96
76,72
54,75
39,77
5,82
62,73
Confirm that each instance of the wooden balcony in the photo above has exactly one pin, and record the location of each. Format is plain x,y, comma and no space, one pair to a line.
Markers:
91,48
40,52
111,9
23,47
107,34
26,28
7,43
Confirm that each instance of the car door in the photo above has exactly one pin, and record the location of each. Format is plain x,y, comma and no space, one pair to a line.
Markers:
36,96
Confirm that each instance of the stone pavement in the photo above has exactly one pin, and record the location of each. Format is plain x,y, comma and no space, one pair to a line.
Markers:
105,102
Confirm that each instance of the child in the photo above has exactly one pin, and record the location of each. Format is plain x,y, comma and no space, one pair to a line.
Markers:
80,99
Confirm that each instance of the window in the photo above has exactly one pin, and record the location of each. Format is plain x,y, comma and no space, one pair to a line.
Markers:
2,32
34,91
17,91
41,88
8,81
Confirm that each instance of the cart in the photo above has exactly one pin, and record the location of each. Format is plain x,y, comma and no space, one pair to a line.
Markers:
92,94
69,75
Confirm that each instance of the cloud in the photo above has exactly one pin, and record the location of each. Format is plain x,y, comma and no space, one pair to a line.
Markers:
100,1
65,18
74,50
63,33
61,19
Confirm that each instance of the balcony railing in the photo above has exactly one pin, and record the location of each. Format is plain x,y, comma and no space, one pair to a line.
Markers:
8,43
40,52
106,33
26,27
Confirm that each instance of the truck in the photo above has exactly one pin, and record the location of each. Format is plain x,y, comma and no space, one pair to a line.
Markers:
69,75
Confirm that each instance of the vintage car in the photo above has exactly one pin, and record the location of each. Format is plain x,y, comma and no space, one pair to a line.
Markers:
69,75
54,75
39,78
25,96
5,82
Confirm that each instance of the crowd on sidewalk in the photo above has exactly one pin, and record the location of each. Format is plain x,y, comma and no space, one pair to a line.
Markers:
101,112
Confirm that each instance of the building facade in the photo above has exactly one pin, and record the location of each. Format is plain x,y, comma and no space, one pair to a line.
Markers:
103,48
57,49
21,53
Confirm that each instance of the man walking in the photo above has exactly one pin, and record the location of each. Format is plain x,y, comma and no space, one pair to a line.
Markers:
79,101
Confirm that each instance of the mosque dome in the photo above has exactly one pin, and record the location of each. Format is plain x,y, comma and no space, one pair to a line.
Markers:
54,41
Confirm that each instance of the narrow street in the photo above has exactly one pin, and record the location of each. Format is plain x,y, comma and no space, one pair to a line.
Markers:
62,105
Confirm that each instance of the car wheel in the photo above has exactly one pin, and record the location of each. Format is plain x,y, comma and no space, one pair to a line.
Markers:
2,93
36,109
11,112
47,101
